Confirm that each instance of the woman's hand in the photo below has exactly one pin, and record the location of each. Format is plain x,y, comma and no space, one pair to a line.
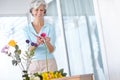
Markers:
47,39
40,40
49,46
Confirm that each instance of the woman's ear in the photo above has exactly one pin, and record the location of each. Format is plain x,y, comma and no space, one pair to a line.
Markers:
31,10
45,11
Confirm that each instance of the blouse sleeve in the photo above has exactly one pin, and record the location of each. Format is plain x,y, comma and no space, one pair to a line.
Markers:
52,36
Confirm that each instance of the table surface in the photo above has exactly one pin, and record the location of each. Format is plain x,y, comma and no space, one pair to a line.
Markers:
78,77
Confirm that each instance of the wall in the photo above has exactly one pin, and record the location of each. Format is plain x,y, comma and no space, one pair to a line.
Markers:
21,7
14,7
108,16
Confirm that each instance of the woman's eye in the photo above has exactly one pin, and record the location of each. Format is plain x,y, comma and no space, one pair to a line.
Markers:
41,10
36,9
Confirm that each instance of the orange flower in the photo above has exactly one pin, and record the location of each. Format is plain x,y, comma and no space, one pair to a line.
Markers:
12,43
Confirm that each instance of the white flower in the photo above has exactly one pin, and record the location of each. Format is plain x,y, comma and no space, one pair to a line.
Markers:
34,78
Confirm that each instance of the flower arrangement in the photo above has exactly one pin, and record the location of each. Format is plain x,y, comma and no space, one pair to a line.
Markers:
12,50
48,75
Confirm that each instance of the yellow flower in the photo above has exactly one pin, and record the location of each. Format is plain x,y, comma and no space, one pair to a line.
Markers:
12,43
51,75
60,75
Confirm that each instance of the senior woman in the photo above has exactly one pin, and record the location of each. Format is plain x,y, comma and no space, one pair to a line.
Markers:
33,32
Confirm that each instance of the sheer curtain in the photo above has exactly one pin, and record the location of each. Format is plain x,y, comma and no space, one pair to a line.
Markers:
77,7
81,38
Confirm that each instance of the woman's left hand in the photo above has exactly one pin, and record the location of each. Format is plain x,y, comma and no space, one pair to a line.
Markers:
47,39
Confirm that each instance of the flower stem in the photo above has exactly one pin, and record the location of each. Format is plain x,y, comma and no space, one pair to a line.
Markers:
22,66
46,55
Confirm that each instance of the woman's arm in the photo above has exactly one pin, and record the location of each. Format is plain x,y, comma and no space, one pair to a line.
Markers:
49,45
45,40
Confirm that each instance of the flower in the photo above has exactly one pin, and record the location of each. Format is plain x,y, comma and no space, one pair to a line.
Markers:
50,75
43,35
12,43
27,41
12,49
5,49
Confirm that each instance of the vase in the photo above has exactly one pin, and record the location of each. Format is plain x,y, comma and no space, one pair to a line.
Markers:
25,75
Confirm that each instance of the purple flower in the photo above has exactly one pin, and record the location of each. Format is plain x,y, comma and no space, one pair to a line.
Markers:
27,41
5,49
32,43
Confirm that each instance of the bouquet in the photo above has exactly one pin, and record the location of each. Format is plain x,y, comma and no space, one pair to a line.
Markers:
48,75
12,50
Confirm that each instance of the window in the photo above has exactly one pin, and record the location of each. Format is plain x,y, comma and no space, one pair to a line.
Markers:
10,28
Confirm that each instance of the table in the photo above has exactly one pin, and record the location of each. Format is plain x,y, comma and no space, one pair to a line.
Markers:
78,77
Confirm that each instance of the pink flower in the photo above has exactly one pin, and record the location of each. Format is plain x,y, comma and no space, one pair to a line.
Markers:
5,49
43,35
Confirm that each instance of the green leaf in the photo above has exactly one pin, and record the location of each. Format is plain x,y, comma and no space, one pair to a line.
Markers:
14,62
61,70
64,74
37,74
32,53
15,51
17,56
16,47
19,51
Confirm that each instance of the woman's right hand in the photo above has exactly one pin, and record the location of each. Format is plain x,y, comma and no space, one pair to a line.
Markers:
40,40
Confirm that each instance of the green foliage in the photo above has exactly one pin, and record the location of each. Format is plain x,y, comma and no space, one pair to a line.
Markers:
62,72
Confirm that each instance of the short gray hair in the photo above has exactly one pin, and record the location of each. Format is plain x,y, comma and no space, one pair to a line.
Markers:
36,3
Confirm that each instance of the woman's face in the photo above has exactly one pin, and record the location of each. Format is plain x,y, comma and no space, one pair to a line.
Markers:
39,12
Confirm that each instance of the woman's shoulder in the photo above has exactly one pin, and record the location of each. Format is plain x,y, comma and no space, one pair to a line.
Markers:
48,24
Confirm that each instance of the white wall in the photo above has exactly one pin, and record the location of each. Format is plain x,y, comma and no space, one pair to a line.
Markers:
108,18
21,7
14,7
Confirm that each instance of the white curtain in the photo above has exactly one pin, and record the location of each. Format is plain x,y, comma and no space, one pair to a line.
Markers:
84,55
77,7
